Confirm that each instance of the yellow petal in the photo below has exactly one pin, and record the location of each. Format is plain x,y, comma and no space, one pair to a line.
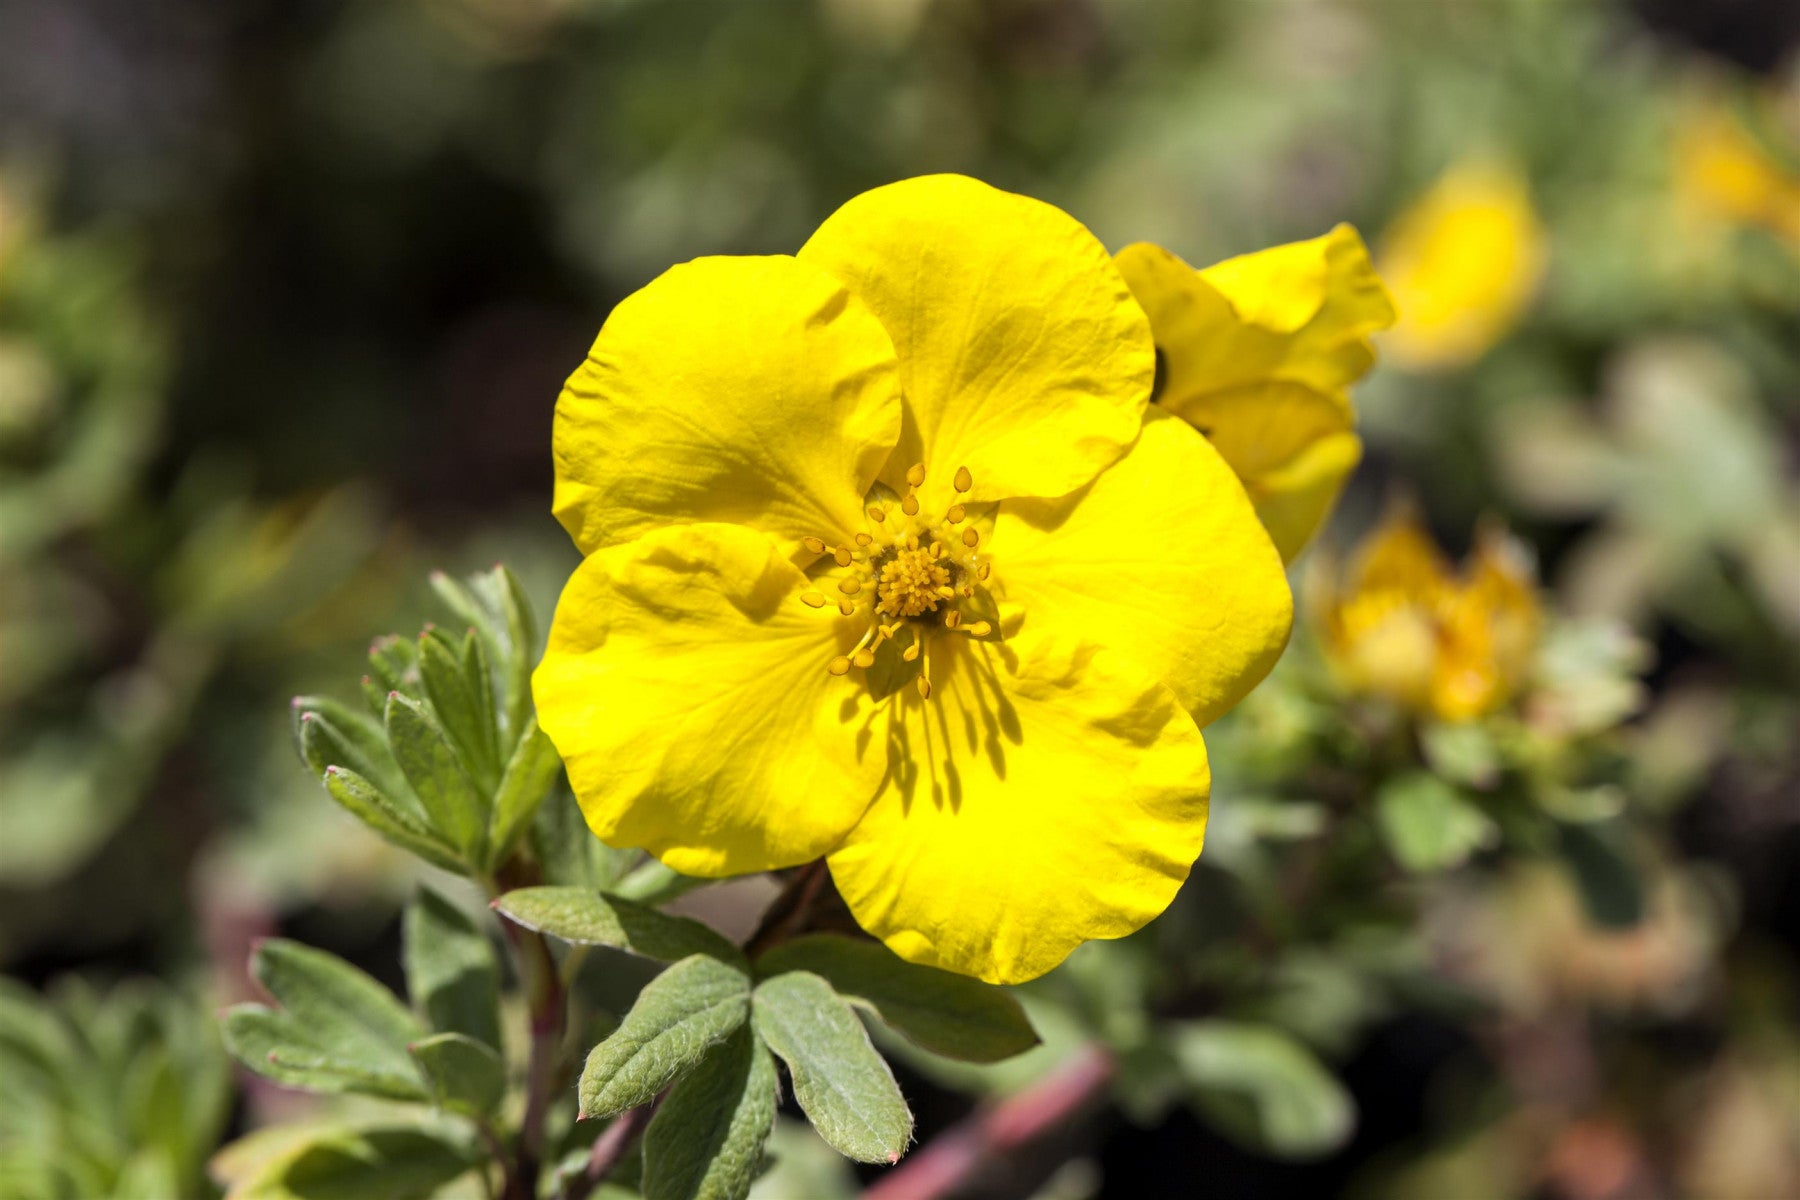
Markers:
1488,630
1022,354
1259,352
750,391
1463,261
1381,622
1162,559
1293,500
1035,804
685,686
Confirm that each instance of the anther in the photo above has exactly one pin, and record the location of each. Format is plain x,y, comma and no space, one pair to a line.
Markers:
915,474
842,555
957,512
987,569
911,652
946,592
910,505
924,688
838,666
845,606
964,481
952,619
937,549
849,586
876,513
813,545
812,599
970,537
979,629
862,539
864,659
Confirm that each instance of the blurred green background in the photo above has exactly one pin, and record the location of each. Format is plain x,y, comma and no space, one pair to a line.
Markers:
287,291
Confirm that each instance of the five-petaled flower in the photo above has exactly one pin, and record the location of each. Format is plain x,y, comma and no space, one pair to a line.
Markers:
1403,624
887,561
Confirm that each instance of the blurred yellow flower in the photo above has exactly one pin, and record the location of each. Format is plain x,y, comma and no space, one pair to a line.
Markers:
1405,625
1463,262
1725,176
885,563
1258,353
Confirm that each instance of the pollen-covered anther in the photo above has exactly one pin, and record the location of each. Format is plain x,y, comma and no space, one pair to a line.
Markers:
813,545
842,556
849,586
915,474
979,629
910,505
812,599
956,513
864,658
970,538
910,583
877,513
862,539
845,606
839,665
952,619
963,481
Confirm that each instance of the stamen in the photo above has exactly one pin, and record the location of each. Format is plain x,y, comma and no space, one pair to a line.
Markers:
812,599
849,586
838,666
987,569
813,545
924,688
864,659
979,629
911,652
915,474
910,505
964,481
970,537
845,606
937,549
877,514
957,513
947,592
952,619
843,556
862,539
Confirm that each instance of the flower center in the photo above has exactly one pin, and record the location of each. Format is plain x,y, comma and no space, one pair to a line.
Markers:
913,576
909,584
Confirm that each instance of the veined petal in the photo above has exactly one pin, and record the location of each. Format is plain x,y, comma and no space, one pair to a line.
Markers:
1047,794
1022,354
1293,500
750,391
1163,559
685,687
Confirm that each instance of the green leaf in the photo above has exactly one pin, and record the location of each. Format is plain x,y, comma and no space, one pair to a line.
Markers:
844,1087
394,662
945,1013
384,1163
521,637
690,1007
466,1076
653,883
530,774
1263,1088
430,763
589,918
451,970
706,1140
333,734
337,1029
464,706
370,805
1427,824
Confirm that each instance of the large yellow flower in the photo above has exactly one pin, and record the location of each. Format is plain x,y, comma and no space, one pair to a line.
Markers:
1464,262
1404,625
886,564
1258,353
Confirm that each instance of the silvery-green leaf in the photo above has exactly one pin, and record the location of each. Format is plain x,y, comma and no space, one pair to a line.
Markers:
689,1008
455,806
706,1141
374,808
451,971
1427,824
465,1076
530,773
844,1086
464,708
587,917
948,1014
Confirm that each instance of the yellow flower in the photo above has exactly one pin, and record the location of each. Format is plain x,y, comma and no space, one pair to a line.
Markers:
1463,261
1406,626
1724,175
1258,353
885,563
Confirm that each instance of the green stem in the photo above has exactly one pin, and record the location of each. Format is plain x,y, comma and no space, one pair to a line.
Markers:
547,1005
